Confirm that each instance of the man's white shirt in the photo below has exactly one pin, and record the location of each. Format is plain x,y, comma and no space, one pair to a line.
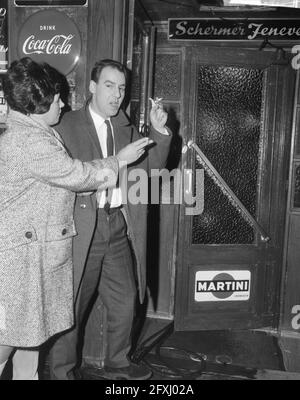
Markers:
101,129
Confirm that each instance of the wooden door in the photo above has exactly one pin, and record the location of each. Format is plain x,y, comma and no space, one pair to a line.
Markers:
240,107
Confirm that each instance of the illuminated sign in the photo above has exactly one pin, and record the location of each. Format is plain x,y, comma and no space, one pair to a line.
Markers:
222,285
51,36
233,29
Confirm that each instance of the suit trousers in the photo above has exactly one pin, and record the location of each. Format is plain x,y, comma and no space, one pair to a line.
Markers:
108,269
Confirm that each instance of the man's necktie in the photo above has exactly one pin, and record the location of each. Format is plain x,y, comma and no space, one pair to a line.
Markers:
110,152
109,139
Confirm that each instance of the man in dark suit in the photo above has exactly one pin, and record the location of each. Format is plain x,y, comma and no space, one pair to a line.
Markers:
108,231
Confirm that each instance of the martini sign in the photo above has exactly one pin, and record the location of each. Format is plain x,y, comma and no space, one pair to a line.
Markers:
51,36
222,285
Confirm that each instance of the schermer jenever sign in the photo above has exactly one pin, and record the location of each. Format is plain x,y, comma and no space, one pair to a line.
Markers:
216,29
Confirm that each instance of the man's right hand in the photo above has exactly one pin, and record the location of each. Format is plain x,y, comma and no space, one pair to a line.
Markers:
133,151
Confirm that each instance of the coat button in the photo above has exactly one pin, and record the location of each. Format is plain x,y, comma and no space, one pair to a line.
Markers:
64,232
82,205
28,235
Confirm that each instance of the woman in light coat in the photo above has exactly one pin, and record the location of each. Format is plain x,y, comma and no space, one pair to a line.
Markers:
38,181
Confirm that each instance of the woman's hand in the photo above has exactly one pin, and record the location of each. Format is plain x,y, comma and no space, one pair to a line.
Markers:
133,151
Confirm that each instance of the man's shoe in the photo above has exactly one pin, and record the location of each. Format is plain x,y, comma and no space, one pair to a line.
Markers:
132,372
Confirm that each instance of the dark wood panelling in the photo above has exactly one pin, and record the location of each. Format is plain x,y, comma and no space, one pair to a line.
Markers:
297,133
106,30
290,348
292,279
290,295
163,221
100,31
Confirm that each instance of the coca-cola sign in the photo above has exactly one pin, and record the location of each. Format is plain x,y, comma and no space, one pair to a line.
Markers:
51,36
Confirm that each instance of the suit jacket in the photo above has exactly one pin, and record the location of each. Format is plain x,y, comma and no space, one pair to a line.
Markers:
37,184
79,134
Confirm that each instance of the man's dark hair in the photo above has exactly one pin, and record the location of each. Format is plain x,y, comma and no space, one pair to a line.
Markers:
100,65
29,87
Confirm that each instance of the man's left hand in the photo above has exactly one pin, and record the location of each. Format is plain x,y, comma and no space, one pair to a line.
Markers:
158,117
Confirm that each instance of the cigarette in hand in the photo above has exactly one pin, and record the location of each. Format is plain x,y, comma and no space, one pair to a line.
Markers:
156,102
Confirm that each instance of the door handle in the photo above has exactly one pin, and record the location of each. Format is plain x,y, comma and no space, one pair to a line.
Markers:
188,182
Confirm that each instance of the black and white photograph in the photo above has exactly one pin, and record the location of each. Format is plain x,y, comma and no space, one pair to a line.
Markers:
150,193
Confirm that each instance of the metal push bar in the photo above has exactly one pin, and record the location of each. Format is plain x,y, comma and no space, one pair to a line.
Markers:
213,173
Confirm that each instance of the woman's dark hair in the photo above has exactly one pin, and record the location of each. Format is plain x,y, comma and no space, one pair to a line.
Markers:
29,87
96,71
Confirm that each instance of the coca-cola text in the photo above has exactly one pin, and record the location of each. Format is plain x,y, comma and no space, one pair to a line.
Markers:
59,44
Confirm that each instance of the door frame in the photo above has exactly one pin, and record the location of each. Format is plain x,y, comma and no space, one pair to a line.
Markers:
276,128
